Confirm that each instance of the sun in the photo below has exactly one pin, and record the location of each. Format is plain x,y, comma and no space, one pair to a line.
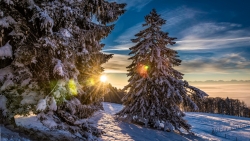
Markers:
103,78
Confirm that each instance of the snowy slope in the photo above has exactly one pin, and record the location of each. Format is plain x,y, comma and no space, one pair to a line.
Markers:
235,128
223,126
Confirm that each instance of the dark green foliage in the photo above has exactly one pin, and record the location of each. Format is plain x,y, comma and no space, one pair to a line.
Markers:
219,105
113,95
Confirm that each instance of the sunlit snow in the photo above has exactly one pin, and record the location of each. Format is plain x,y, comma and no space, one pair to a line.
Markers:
225,127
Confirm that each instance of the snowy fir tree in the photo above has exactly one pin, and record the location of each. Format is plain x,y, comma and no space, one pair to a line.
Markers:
156,89
50,55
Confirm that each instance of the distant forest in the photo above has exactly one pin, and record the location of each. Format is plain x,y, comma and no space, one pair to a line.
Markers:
217,105
113,94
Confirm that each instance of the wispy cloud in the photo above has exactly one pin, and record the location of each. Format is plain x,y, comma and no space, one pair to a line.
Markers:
213,36
174,17
119,47
209,28
129,34
178,16
214,43
216,40
229,63
117,64
133,4
201,36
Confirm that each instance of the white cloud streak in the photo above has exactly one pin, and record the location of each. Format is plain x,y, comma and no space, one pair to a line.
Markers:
117,64
119,47
133,4
129,34
213,36
216,40
174,17
229,63
178,16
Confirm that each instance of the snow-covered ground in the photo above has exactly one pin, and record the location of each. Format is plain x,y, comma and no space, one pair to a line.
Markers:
120,131
8,135
203,124
225,128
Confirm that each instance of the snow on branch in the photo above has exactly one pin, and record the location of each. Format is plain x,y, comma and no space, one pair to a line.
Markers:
6,51
53,105
42,104
7,84
58,69
6,21
65,33
9,2
6,73
47,22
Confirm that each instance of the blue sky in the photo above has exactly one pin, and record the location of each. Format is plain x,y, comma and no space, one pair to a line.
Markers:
213,37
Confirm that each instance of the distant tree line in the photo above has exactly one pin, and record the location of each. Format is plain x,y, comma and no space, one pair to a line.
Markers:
216,105
219,105
113,94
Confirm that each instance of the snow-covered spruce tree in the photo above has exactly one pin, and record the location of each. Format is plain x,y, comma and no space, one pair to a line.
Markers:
51,49
156,89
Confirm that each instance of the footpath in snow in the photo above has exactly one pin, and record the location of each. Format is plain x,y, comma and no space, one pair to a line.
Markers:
226,128
121,131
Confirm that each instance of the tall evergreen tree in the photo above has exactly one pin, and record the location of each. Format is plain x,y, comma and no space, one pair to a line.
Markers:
155,88
53,49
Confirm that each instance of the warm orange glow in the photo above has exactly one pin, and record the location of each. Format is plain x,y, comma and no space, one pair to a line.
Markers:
143,70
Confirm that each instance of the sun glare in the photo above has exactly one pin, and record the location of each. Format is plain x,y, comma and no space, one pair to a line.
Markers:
103,78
